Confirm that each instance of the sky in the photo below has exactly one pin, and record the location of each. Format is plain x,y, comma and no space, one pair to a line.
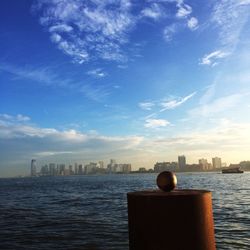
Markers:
137,81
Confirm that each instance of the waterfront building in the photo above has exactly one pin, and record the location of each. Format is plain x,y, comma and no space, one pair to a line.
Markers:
80,169
71,172
126,168
111,167
142,170
90,168
182,162
216,162
52,169
61,169
76,168
44,170
203,164
165,166
101,164
33,167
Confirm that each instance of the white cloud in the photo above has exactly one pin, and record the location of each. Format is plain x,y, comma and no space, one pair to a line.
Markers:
16,118
156,123
20,140
88,29
184,10
146,105
217,106
228,138
172,104
60,28
213,57
154,11
244,2
55,38
169,32
230,17
193,23
98,73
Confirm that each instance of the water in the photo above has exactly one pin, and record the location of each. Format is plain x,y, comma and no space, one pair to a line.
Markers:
90,212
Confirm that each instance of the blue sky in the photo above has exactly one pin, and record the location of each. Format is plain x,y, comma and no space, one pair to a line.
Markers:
139,81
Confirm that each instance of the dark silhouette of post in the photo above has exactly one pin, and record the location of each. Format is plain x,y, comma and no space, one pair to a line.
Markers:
176,220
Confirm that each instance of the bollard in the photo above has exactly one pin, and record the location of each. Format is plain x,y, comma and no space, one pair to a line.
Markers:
176,220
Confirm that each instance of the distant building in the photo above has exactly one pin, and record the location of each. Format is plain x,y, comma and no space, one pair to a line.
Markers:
52,169
111,167
204,164
216,162
101,164
76,168
71,171
165,166
193,167
182,162
126,168
80,169
142,170
90,168
33,167
44,170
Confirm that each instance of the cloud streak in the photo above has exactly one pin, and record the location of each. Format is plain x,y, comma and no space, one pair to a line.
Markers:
47,77
213,58
172,104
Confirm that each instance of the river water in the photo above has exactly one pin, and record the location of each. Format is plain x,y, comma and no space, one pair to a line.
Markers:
90,212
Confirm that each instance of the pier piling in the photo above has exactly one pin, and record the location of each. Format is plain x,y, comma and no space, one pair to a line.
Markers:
176,220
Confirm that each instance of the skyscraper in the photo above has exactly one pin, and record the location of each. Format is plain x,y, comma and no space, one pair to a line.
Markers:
216,162
182,162
203,164
33,167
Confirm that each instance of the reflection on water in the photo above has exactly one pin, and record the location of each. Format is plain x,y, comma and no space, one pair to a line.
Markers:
90,212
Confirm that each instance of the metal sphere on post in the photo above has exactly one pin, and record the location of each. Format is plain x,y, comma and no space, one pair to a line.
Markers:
166,181
170,220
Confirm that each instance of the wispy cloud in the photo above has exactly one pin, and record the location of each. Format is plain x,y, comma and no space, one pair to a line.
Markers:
228,138
230,17
213,58
159,106
184,10
15,118
218,105
156,123
244,2
146,105
85,30
169,31
46,76
98,73
40,74
100,29
172,104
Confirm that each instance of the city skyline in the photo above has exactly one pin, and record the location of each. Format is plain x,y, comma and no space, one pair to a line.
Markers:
137,81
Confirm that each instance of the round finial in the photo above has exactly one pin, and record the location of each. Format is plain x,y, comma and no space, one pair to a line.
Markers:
166,181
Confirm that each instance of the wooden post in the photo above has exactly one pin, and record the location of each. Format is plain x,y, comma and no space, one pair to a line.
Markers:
176,220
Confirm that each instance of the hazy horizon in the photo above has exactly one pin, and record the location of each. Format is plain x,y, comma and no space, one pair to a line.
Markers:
138,82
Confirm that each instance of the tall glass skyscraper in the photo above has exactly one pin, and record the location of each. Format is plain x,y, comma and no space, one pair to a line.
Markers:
33,167
182,162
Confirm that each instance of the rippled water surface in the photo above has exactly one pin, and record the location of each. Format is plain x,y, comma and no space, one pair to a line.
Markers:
90,212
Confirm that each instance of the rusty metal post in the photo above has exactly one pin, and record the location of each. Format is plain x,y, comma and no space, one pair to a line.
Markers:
176,220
